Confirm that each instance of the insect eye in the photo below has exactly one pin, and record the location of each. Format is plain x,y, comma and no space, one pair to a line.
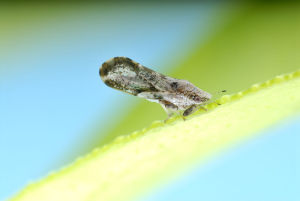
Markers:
174,85
196,98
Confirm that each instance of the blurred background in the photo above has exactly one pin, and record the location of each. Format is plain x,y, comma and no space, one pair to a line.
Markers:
54,107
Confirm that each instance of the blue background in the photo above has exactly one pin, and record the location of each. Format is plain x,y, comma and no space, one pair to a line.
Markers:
51,95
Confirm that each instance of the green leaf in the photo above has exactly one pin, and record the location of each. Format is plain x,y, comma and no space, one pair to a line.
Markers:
132,164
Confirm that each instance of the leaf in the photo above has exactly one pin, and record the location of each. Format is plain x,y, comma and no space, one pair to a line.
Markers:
132,164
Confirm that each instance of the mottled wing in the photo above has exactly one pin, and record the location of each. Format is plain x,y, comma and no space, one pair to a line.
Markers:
126,75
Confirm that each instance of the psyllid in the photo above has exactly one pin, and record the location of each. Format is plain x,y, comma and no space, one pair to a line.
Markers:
174,95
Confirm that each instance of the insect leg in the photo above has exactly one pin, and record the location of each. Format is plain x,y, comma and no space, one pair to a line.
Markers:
169,112
190,110
169,108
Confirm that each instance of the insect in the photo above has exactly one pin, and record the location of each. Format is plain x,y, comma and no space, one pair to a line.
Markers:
174,95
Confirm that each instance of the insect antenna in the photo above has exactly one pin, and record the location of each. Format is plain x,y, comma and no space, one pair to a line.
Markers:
217,95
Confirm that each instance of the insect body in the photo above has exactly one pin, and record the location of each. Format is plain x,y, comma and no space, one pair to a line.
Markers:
173,94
